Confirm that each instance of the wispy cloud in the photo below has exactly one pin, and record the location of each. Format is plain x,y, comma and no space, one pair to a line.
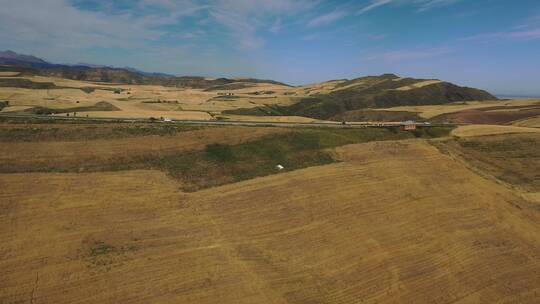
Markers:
373,5
525,31
526,34
419,5
246,18
424,5
311,37
327,18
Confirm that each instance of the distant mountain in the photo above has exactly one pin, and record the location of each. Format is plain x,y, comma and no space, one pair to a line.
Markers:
30,65
12,58
343,98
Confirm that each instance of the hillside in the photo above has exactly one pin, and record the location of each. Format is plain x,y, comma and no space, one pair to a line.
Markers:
359,99
31,66
339,98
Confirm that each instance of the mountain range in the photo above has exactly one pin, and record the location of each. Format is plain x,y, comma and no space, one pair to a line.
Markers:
31,65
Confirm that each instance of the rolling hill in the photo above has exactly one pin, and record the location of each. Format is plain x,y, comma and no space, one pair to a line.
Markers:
342,98
351,100
30,65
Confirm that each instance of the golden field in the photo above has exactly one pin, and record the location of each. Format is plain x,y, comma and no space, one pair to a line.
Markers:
483,130
388,222
138,101
430,111
68,97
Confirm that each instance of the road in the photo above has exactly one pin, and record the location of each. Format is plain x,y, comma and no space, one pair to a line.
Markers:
218,122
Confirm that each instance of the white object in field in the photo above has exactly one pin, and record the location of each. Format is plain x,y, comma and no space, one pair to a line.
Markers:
280,167
167,119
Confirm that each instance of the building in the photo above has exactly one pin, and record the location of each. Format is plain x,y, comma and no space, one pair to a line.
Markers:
408,125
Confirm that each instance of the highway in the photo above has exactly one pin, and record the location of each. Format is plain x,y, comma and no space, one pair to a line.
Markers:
217,122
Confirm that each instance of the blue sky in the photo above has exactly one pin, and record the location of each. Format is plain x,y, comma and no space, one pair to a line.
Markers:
491,44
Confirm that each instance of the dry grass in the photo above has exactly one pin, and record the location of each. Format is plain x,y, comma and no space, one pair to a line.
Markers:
8,74
141,101
270,118
511,158
431,111
533,122
418,85
392,223
483,130
81,153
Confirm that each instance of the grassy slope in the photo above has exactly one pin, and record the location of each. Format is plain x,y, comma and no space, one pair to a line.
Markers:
514,158
100,106
217,163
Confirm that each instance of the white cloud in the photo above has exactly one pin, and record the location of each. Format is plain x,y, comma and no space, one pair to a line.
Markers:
421,5
528,30
56,22
246,18
524,34
327,18
425,5
373,5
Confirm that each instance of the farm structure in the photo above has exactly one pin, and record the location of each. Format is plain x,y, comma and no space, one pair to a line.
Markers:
408,126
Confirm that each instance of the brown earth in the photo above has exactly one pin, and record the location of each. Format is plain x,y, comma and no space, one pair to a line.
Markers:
431,111
491,115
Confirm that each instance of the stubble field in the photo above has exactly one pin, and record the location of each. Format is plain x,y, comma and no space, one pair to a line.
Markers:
395,221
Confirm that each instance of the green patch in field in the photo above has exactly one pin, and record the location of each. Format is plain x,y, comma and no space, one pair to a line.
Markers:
100,106
220,164
219,152
89,132
512,158
101,248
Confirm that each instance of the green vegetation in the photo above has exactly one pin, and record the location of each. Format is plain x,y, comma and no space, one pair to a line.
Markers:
266,110
101,248
216,164
374,92
220,164
88,132
432,132
514,158
100,106
26,84
377,115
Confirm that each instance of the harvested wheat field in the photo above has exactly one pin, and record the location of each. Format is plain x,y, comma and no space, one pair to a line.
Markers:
40,94
533,122
389,222
509,158
483,130
431,111
65,147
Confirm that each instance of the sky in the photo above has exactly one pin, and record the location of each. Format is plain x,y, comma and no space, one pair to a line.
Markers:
489,44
